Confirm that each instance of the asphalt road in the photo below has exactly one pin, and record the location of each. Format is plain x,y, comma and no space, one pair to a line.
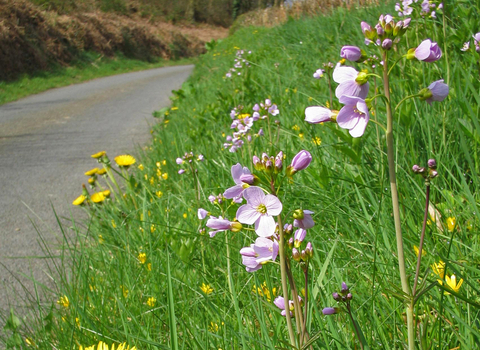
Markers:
45,145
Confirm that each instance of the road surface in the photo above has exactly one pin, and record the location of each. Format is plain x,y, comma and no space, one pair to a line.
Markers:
45,145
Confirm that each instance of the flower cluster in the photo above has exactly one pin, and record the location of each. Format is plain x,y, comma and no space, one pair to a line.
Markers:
280,303
451,281
429,173
343,296
188,158
386,32
327,68
476,42
426,8
238,63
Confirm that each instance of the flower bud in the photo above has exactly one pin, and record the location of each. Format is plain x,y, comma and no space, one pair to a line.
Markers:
368,31
309,250
330,311
300,162
290,243
349,296
344,288
299,236
296,255
298,214
336,296
387,44
432,163
433,173
287,229
235,226
351,53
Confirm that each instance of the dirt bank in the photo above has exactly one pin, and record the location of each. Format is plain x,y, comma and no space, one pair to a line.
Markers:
33,39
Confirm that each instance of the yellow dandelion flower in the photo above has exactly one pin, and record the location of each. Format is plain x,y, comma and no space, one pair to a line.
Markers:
102,171
159,194
80,200
301,135
98,197
453,284
152,228
149,266
451,222
317,141
99,154
164,162
91,181
165,176
142,257
141,167
125,160
158,164
243,116
92,172
166,121
151,301
206,288
63,300
415,249
184,215
174,108
103,346
439,269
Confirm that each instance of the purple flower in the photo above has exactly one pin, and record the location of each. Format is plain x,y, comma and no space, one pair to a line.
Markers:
273,110
387,44
280,303
353,116
179,161
466,46
243,179
300,162
351,53
330,311
201,213
181,171
259,211
299,236
344,288
304,220
317,114
352,83
428,51
259,253
221,224
432,163
318,73
436,91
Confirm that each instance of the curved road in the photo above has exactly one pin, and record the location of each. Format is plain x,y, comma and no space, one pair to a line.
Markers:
45,145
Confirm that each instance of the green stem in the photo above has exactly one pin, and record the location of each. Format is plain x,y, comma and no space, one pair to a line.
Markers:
404,99
283,273
395,205
357,331
422,237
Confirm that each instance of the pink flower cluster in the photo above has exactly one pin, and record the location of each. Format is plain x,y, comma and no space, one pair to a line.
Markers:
188,158
238,63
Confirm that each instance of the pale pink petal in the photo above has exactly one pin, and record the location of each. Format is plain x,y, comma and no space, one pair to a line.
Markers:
317,114
362,107
422,52
246,214
237,171
273,204
352,88
254,196
347,118
265,226
359,129
232,192
343,73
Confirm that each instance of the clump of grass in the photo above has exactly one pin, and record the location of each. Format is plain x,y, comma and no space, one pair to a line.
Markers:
145,272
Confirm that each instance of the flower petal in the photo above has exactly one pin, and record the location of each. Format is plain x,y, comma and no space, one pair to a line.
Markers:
359,128
317,114
246,214
347,118
232,192
273,204
265,226
237,171
254,195
344,73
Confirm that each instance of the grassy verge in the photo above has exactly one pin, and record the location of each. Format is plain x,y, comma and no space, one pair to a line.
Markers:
91,66
145,270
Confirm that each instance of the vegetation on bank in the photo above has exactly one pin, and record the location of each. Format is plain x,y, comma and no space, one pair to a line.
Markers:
146,269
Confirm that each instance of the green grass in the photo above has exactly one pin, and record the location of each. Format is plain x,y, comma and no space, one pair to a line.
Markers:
90,66
346,186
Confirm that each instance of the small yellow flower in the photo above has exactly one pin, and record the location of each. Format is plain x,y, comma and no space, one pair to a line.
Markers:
64,301
296,127
159,194
29,342
294,90
98,197
452,283
158,164
103,346
102,171
415,249
124,291
149,266
101,239
151,301
451,222
164,162
92,172
213,327
438,269
77,321
243,116
317,141
99,154
91,181
327,104
206,288
125,160
141,167
152,181
165,176
152,228
301,135
80,200
184,215
142,257
114,225
174,108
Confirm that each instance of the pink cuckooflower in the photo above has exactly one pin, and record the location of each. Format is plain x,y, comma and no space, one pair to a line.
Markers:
306,221
259,211
318,73
353,116
280,303
201,213
351,53
220,224
438,91
428,51
317,114
243,179
259,253
352,83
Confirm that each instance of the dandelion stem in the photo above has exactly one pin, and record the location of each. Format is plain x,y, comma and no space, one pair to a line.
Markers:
395,204
422,236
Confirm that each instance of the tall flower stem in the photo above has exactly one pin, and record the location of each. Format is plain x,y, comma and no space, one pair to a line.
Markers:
395,205
357,331
422,237
283,274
